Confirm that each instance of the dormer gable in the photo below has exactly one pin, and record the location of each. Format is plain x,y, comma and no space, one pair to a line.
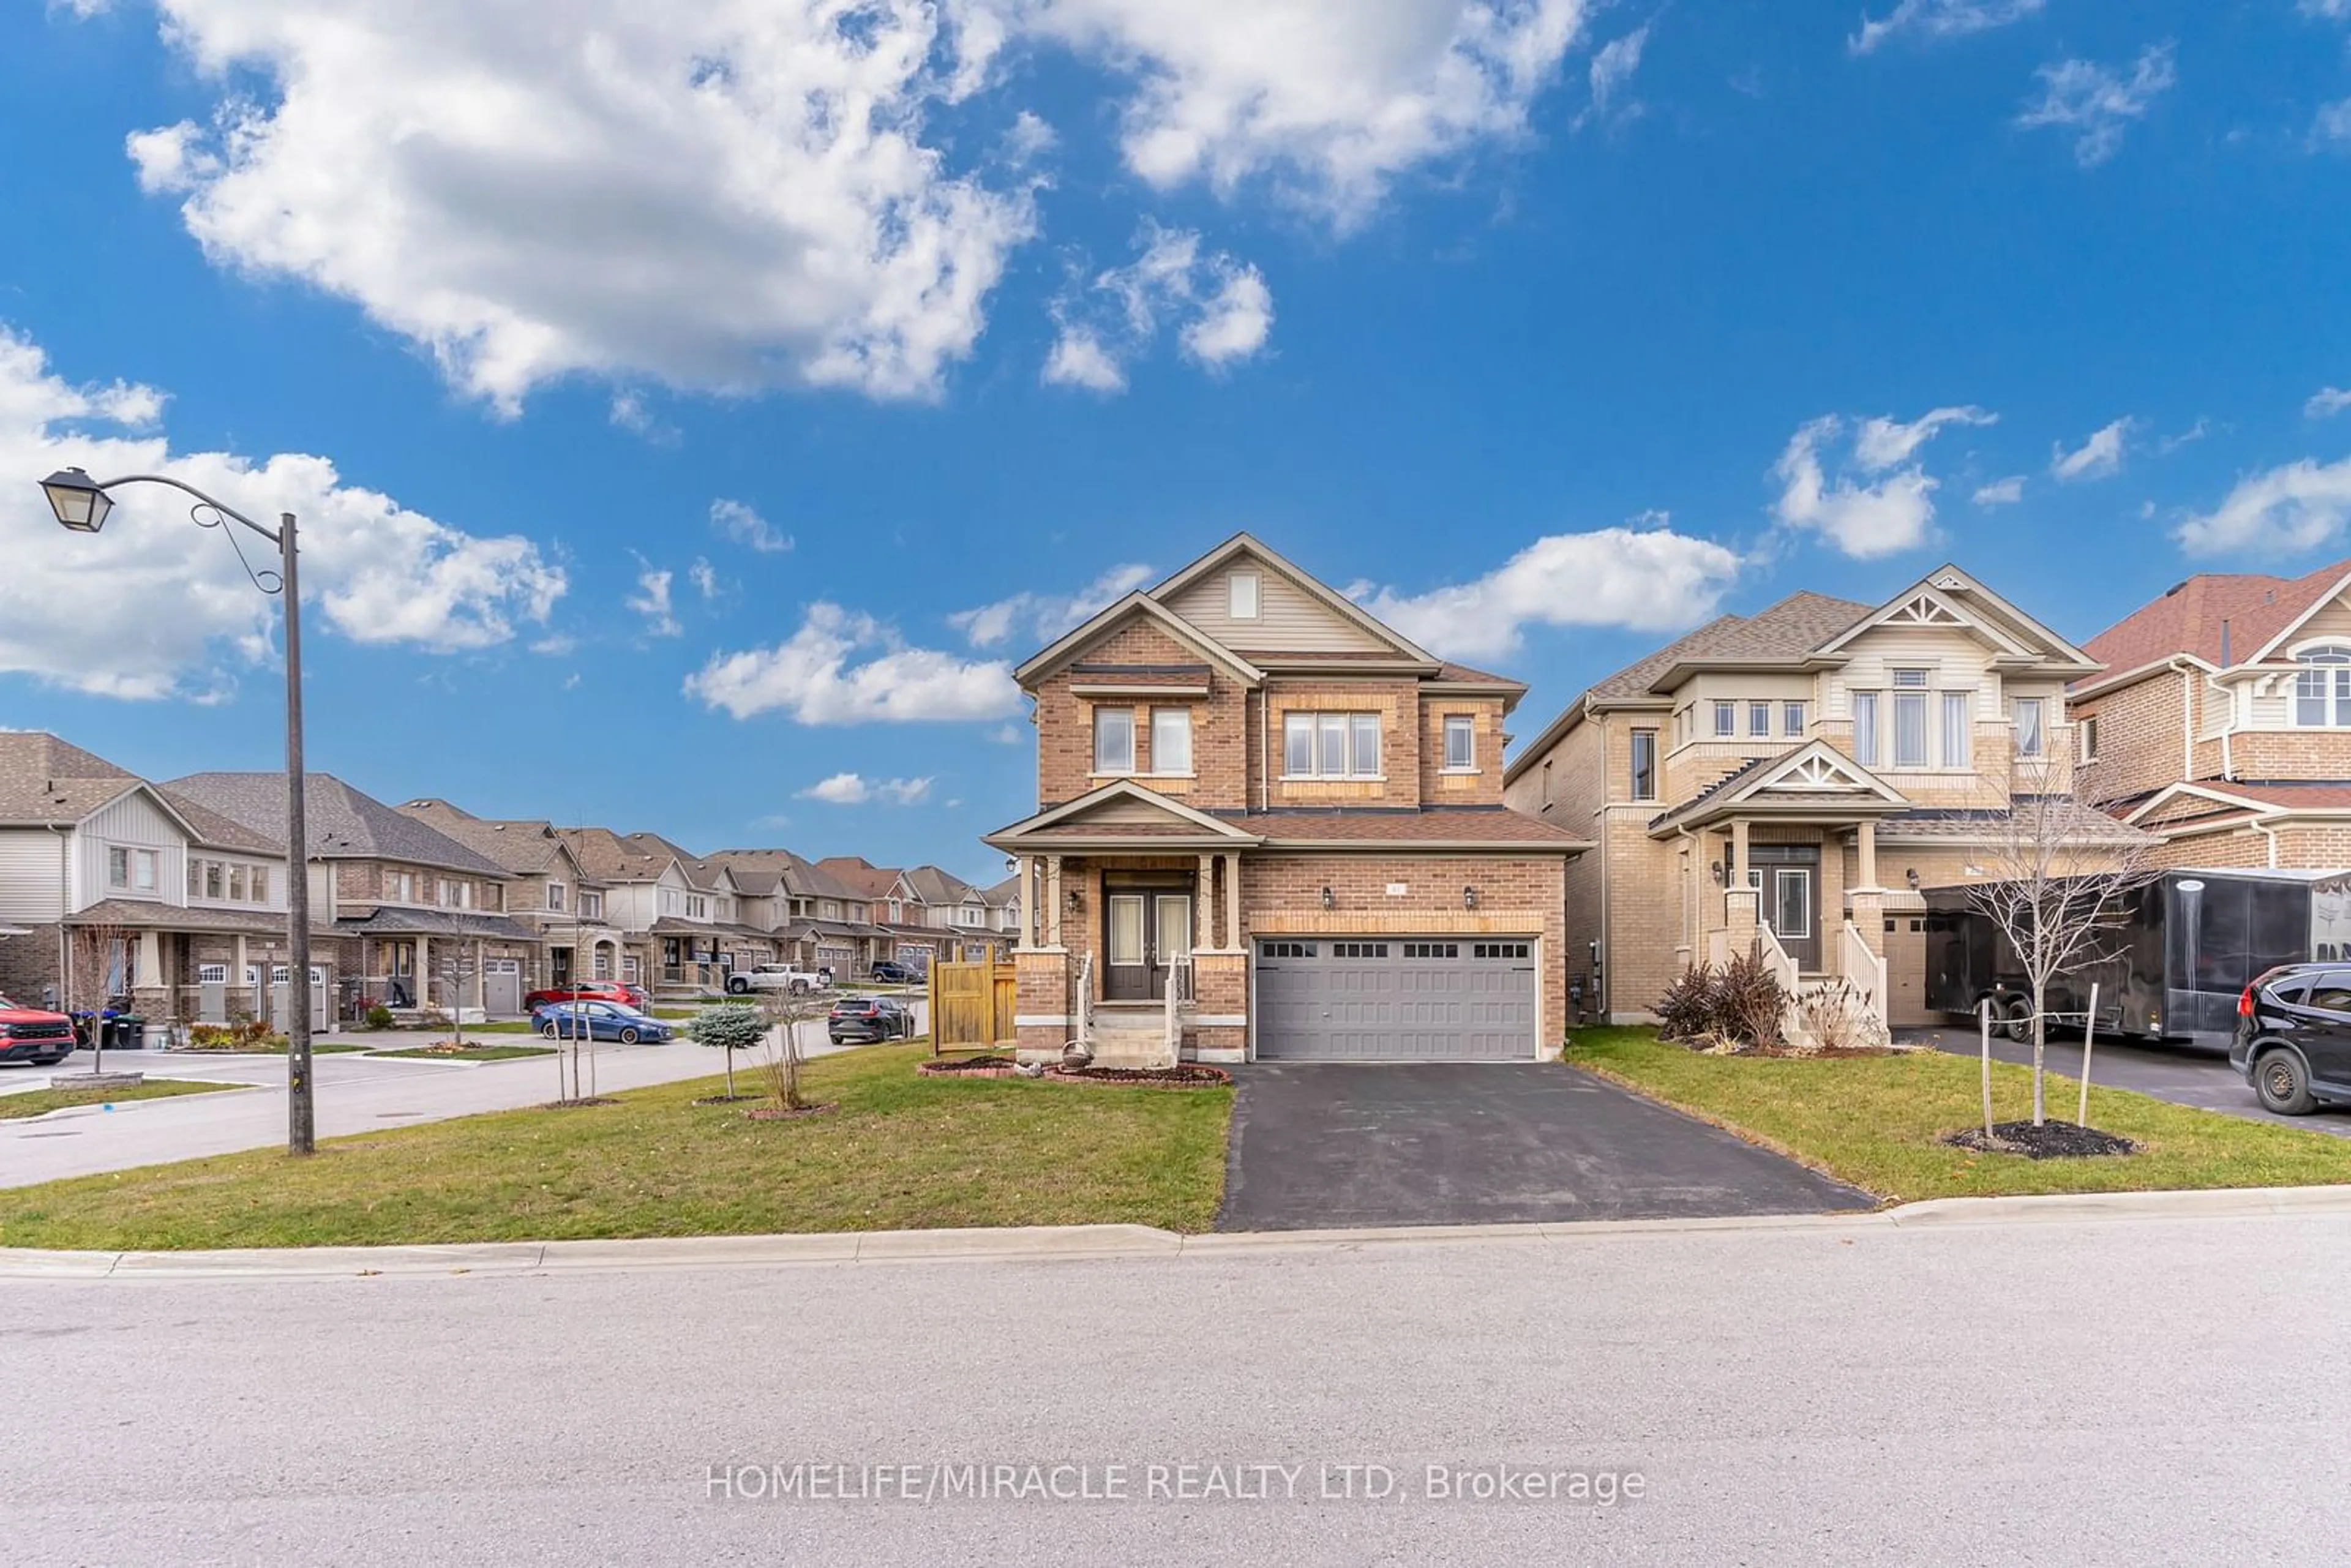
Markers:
1251,599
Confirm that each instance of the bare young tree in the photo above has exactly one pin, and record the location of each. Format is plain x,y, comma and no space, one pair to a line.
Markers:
98,956
786,1011
2056,875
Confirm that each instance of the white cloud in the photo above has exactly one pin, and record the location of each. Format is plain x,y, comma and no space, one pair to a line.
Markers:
1611,71
1328,103
856,789
2296,507
1881,501
2098,102
1939,19
2188,437
652,601
1007,734
1646,579
555,646
1226,308
2001,492
150,605
2332,128
705,578
628,412
2326,402
715,195
2099,457
1045,616
2331,10
843,667
1029,139
735,521
1882,442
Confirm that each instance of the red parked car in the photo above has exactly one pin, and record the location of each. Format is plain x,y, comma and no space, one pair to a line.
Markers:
618,991
28,1034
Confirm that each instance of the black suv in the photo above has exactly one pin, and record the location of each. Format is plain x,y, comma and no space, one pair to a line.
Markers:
2294,1037
890,972
866,1020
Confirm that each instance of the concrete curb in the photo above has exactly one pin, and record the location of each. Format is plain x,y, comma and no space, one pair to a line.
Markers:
1046,1241
212,1086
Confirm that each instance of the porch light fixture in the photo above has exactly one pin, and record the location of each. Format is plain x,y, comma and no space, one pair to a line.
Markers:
1911,876
1469,898
1077,900
1328,901
1719,874
79,501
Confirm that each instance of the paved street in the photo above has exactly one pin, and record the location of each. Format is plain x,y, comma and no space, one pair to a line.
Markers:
2125,1391
2185,1074
353,1096
1338,1143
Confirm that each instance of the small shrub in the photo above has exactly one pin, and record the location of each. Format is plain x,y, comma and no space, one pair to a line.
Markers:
242,1036
379,1016
1733,1006
1838,1017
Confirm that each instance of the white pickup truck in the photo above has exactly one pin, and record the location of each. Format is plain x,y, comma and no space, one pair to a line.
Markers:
779,977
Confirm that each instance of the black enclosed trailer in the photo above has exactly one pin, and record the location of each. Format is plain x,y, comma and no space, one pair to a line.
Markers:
2178,954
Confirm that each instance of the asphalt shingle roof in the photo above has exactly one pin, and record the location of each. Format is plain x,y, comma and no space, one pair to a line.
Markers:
2188,619
45,779
344,823
1787,629
521,845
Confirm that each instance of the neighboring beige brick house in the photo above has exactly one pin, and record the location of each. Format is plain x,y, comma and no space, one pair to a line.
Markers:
2223,721
1799,774
1252,792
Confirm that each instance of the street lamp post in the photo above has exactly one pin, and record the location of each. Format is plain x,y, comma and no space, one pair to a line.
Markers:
81,504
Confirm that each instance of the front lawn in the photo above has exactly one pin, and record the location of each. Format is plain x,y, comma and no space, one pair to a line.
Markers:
898,1151
1875,1121
470,1052
40,1101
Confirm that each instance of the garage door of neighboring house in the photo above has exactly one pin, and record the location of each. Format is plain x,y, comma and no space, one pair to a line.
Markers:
1388,999
502,985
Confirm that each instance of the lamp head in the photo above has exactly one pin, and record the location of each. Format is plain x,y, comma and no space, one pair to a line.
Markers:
76,500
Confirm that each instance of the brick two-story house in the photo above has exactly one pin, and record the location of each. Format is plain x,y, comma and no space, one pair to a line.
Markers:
1796,776
2223,721
1254,792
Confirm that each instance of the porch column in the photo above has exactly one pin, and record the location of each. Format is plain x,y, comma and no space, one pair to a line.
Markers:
149,968
1866,839
1208,900
1735,872
423,971
237,981
481,983
1053,900
1028,901
1233,902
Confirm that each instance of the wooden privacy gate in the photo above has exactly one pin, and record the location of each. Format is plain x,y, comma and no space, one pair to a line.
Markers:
972,1005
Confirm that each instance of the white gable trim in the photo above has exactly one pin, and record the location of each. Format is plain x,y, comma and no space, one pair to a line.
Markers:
1246,544
2342,584
1127,789
1924,607
2171,792
1074,642
1819,767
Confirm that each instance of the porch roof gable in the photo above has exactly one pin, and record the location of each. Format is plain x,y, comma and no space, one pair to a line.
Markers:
1812,782
1122,814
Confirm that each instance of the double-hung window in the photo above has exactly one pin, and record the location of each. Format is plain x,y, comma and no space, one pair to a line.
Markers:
1331,745
2321,692
2031,727
1460,743
1791,720
1865,729
1957,725
1644,765
1726,719
1113,740
1171,740
117,866
1759,719
1909,718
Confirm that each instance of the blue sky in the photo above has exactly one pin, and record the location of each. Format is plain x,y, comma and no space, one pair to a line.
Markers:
1555,326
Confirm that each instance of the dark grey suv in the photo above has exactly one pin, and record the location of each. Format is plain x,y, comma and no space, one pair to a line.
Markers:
2293,1038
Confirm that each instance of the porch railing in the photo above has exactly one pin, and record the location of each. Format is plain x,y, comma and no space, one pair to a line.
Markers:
1864,969
1082,1015
1179,998
1775,959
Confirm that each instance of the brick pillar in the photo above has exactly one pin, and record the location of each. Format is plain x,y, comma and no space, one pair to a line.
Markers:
1869,917
1738,917
1040,1008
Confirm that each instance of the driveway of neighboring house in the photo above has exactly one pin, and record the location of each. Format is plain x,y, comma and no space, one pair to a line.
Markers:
2184,1074
1333,1145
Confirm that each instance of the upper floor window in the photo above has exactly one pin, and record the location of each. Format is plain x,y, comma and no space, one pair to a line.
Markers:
1958,727
2089,731
592,904
1113,740
1244,595
1759,719
1644,765
696,906
1331,745
1865,729
2321,692
1792,719
1460,743
1909,725
1171,740
555,895
1726,718
399,886
2031,727
131,869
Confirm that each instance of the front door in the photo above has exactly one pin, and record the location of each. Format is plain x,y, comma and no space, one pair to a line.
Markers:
1792,911
1145,930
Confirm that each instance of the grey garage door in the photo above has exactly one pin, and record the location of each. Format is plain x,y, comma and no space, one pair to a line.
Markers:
1388,999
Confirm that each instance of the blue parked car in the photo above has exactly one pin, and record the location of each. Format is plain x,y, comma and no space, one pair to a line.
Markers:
599,1020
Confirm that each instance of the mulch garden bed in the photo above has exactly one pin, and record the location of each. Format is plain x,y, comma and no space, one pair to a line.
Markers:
728,1099
575,1104
1185,1075
966,1067
2050,1141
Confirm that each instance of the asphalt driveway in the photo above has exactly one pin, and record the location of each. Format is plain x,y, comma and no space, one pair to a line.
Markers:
1330,1144
2184,1074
